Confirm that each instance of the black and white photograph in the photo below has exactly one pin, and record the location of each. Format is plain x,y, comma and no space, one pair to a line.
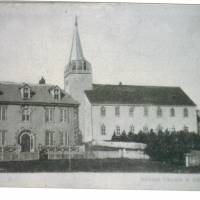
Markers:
100,95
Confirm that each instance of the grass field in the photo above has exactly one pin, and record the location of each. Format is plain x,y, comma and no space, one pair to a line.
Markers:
94,165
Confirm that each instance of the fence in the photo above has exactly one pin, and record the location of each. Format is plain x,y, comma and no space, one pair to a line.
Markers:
192,158
14,156
130,154
123,145
64,155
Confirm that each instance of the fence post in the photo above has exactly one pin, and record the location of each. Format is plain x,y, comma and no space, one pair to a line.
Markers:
69,158
2,151
187,160
18,151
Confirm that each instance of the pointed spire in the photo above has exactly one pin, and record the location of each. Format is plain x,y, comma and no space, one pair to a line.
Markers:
76,20
76,49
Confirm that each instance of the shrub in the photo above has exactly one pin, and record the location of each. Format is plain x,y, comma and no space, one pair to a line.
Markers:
166,146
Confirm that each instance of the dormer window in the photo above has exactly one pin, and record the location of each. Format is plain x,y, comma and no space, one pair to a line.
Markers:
56,94
25,92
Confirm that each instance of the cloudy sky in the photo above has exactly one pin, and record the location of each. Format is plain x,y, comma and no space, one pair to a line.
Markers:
139,44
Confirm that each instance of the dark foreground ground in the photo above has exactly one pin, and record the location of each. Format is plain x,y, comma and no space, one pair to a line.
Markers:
98,165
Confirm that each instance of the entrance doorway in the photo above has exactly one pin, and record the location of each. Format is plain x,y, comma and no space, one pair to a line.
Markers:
26,141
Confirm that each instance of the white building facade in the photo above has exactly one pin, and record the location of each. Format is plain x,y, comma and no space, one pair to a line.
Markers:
108,108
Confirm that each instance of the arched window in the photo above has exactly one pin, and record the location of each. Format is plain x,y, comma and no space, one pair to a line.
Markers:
117,130
145,111
73,66
172,112
117,111
159,112
131,110
185,112
103,111
84,65
132,129
103,129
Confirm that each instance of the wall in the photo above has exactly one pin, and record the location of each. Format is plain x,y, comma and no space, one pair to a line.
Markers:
138,120
88,133
192,159
37,125
75,85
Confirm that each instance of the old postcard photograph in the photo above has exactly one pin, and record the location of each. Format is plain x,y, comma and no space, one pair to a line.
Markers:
99,95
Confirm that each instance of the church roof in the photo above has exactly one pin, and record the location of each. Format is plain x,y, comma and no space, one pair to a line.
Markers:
132,94
76,49
40,95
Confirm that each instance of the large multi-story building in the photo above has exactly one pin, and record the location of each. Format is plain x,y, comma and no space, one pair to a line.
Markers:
36,114
108,108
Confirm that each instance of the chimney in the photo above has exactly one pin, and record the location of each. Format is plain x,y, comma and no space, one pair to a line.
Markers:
42,81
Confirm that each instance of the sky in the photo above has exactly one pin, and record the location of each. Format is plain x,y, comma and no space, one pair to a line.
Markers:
139,44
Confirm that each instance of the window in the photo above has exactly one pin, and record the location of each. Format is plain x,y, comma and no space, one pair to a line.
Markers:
26,93
63,115
146,111
159,128
49,114
185,112
131,110
2,137
103,129
103,111
75,114
73,66
68,113
173,129
57,94
117,111
84,65
3,112
25,114
159,112
63,138
172,112
117,130
186,129
49,138
145,129
132,129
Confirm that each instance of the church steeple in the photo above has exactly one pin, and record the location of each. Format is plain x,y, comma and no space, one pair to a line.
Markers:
78,77
76,49
77,63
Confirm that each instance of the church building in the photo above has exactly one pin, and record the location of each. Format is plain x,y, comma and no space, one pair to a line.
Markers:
108,108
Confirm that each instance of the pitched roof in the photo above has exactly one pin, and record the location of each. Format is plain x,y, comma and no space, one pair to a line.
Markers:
131,94
40,94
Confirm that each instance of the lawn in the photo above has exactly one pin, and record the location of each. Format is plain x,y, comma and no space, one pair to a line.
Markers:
94,165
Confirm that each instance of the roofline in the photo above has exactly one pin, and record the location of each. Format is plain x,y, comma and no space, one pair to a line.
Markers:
129,104
156,86
40,104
